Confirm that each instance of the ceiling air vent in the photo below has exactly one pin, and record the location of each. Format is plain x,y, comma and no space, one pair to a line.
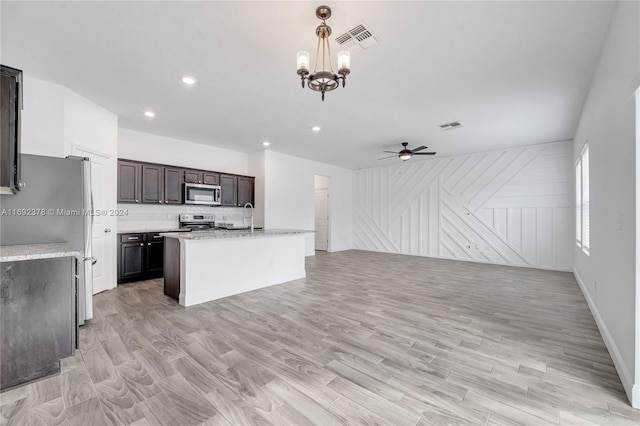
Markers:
357,38
450,126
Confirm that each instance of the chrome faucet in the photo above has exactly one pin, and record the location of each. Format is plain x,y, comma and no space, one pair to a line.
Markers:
245,217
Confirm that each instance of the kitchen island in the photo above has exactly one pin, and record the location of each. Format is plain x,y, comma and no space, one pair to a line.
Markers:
204,266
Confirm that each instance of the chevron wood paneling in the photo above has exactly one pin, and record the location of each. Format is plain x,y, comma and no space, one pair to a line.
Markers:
510,207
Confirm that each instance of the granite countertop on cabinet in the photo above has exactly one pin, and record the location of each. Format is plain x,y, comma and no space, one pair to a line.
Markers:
144,231
36,251
222,234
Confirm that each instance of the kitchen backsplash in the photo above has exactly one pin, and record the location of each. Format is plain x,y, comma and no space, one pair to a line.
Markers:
151,217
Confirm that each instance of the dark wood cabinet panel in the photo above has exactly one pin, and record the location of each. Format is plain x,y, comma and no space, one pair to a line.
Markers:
10,111
193,176
211,178
129,181
152,184
229,190
131,261
140,257
172,268
155,258
37,318
245,190
173,180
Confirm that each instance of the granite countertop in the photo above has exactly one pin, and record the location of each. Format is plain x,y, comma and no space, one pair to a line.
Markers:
144,231
36,251
221,234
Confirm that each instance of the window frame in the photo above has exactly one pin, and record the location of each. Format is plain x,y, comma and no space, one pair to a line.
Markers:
582,202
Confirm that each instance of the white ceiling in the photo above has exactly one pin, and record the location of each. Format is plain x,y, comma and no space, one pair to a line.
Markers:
513,73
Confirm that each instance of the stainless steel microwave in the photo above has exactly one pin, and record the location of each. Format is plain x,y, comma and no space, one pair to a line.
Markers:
197,193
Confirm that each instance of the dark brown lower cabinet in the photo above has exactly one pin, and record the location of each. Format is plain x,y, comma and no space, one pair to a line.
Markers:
172,268
140,257
37,318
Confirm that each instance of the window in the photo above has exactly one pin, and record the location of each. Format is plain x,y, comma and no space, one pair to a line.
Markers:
582,200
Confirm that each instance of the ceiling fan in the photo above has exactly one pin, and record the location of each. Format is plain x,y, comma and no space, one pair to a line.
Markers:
406,153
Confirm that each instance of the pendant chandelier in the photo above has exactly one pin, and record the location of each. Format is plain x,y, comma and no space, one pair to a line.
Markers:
323,79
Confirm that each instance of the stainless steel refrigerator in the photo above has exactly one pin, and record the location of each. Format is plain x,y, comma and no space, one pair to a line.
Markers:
62,187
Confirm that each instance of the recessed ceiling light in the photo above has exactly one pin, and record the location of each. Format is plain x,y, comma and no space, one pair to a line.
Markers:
188,80
266,143
150,114
316,128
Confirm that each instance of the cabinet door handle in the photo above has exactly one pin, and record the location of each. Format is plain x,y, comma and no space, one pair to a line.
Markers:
137,201
160,201
142,245
107,230
157,236
132,238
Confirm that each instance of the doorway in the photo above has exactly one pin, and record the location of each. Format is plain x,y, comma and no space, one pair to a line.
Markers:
323,212
103,240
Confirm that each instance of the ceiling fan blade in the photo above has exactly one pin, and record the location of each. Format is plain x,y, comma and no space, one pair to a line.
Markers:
420,148
424,153
391,156
392,152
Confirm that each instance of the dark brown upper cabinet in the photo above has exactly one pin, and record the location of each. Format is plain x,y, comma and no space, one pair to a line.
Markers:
149,183
152,184
10,110
200,176
211,178
229,190
129,181
245,190
193,176
173,180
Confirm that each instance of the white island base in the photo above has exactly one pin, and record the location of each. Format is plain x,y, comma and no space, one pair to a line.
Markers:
213,265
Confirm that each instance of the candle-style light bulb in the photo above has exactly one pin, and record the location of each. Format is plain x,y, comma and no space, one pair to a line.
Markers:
303,61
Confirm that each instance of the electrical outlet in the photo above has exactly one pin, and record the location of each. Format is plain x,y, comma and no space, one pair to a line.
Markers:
618,221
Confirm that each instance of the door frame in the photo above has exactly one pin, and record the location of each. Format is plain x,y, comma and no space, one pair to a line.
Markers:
328,189
110,222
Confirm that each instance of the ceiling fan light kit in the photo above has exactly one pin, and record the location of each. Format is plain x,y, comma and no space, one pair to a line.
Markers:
323,79
405,153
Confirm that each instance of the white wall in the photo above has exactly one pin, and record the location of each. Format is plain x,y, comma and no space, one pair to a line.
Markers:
607,123
141,146
54,119
508,207
88,125
289,194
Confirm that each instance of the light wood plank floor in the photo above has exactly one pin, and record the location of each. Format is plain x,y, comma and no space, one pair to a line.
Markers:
366,338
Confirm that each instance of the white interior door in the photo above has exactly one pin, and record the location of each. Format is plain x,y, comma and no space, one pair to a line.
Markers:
322,219
103,239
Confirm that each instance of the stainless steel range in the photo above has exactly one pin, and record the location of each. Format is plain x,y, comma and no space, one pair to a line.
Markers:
197,222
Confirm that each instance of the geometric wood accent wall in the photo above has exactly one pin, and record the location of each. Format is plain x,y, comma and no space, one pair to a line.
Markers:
512,206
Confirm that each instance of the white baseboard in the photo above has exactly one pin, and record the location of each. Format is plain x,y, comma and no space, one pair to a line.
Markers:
632,391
